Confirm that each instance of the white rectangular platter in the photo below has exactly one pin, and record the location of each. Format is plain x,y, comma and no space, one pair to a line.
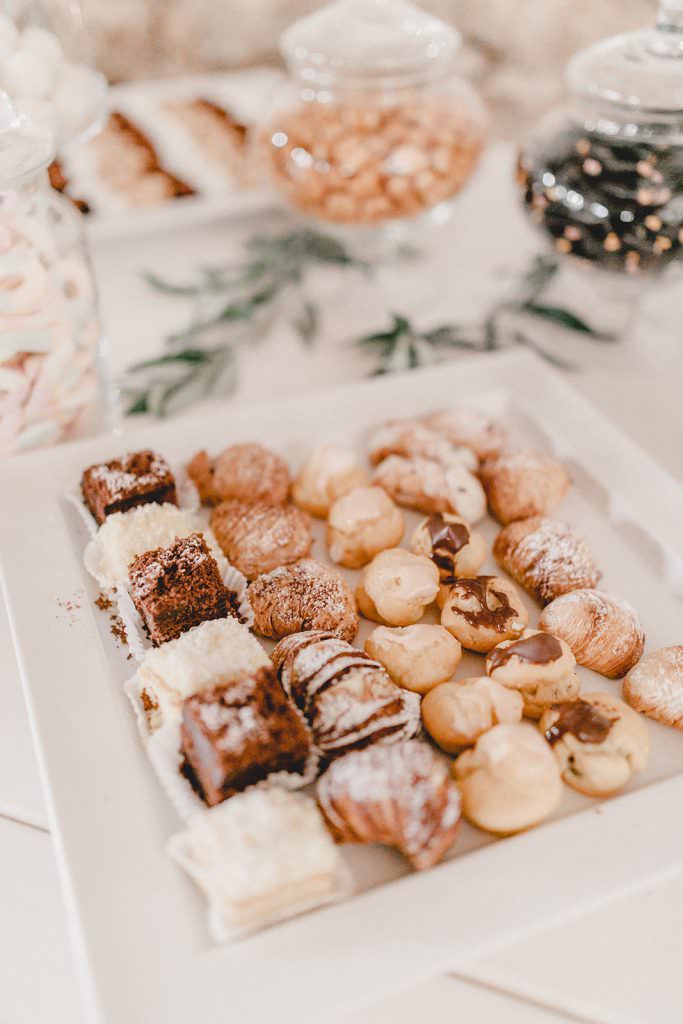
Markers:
138,924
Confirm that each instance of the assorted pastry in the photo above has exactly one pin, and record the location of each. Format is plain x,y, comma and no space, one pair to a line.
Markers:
252,680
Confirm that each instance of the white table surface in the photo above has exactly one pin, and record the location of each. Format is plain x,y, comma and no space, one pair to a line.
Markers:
619,963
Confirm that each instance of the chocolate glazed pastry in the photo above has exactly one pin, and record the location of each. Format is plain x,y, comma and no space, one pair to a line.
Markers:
539,649
582,720
493,618
447,540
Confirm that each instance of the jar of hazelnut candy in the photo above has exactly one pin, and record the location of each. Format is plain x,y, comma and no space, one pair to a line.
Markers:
603,177
376,127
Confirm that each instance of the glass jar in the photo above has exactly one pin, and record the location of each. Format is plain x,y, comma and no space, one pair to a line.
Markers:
51,388
376,128
46,68
603,178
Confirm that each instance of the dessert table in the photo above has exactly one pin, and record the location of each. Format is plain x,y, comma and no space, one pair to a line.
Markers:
613,963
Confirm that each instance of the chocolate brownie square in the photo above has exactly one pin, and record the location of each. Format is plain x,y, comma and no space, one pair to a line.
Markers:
138,478
178,587
236,734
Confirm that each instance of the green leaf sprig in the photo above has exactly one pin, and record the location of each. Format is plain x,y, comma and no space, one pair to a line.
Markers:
231,305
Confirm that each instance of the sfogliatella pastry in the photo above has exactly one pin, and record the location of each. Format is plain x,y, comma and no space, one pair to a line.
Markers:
218,651
361,524
260,857
456,713
139,478
452,545
417,657
411,438
522,484
599,742
470,427
546,557
397,587
257,538
330,472
399,795
303,596
246,472
236,734
509,781
655,686
347,698
483,611
540,666
430,486
602,630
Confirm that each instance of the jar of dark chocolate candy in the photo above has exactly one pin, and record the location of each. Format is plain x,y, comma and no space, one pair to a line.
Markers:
603,178
376,127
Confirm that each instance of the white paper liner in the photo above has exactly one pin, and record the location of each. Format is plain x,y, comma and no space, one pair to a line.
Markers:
163,749
183,851
138,641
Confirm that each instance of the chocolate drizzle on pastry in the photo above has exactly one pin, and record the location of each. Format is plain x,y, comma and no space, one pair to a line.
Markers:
447,540
582,720
488,617
539,649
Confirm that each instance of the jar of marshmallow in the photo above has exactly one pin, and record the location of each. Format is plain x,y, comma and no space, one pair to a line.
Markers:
377,128
46,71
50,378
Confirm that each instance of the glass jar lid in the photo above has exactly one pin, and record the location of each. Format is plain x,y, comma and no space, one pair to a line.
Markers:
641,72
24,147
369,40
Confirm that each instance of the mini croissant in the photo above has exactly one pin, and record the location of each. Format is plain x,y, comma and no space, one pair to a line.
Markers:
602,630
306,595
400,795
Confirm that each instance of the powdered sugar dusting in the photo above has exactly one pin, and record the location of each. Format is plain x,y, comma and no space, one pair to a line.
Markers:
401,795
655,686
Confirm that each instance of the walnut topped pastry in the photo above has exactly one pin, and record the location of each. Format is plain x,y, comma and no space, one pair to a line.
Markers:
452,545
329,472
257,538
399,795
482,611
430,486
655,686
411,438
598,741
470,427
303,596
246,472
546,557
362,523
348,699
602,630
522,484
397,587
540,666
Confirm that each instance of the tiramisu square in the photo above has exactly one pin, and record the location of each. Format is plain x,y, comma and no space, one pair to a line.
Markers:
177,587
236,734
139,478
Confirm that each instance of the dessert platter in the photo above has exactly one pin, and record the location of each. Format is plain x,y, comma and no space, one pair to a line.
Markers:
347,688
172,152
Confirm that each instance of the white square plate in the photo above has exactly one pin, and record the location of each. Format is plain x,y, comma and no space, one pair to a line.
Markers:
138,923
